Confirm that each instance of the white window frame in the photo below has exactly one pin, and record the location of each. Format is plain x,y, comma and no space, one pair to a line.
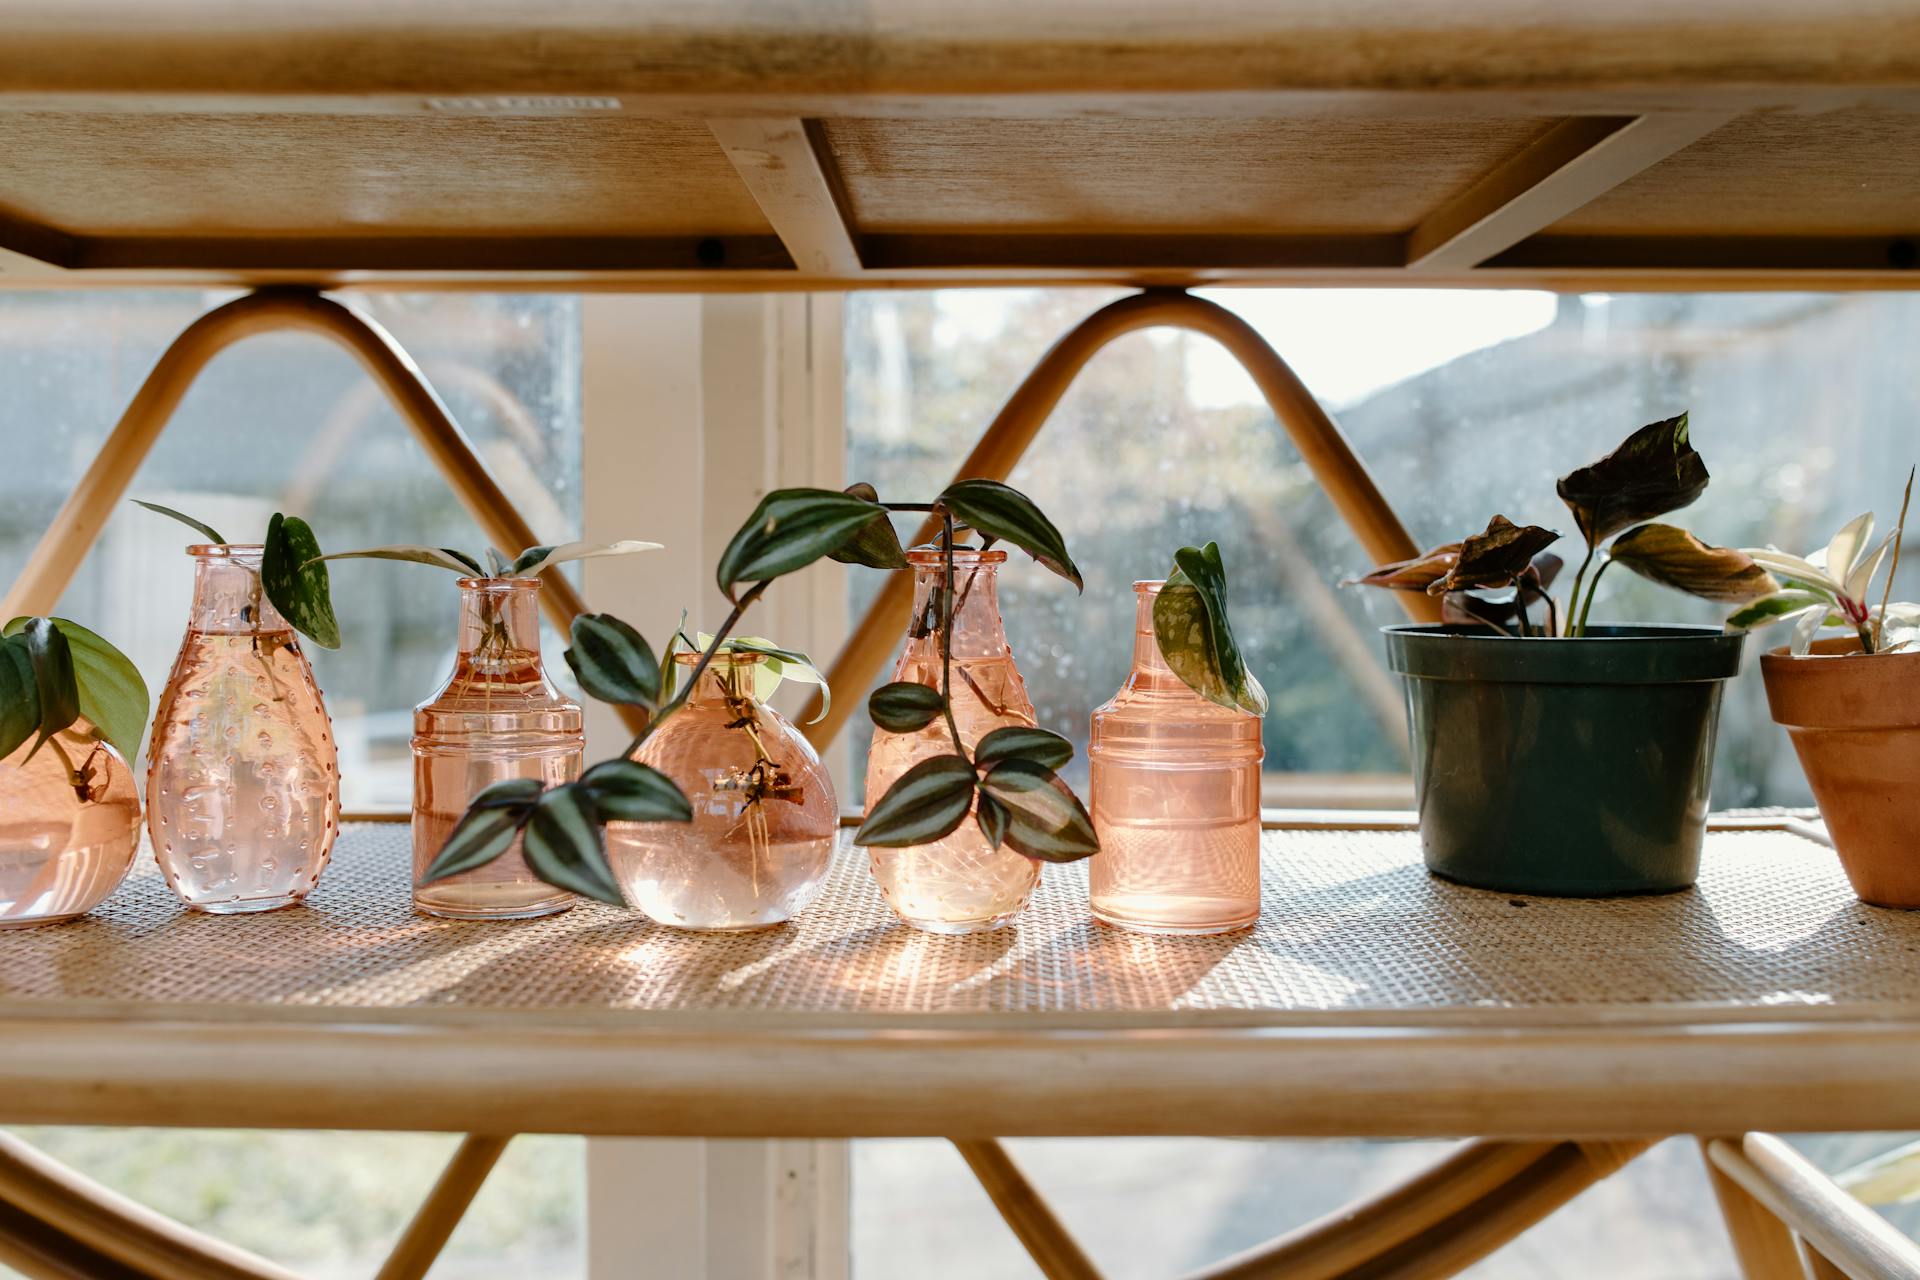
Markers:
692,408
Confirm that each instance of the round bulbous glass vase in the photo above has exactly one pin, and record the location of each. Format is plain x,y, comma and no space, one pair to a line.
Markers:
69,827
243,780
1175,783
497,717
764,813
958,884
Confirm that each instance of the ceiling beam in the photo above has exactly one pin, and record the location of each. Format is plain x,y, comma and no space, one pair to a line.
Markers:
786,165
1565,168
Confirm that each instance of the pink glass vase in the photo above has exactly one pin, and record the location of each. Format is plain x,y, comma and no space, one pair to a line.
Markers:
497,717
958,884
243,783
1176,801
764,812
69,827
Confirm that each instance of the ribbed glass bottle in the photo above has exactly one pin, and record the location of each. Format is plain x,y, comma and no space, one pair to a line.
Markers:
497,717
69,827
958,884
1176,801
243,782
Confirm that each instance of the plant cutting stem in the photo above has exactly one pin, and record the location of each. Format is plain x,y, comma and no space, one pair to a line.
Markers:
1580,625
946,631
740,606
1886,594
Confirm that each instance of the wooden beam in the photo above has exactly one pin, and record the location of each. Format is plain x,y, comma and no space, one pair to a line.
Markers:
787,166
1563,169
1846,1234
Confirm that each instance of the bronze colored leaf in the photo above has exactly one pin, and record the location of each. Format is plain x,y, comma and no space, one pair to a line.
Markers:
1654,471
1495,558
1416,574
1677,559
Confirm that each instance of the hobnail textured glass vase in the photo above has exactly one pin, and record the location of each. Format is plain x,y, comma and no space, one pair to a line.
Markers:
764,812
959,884
497,717
1176,800
243,782
69,827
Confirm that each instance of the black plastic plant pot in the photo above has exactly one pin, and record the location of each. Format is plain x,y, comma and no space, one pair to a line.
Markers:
1564,767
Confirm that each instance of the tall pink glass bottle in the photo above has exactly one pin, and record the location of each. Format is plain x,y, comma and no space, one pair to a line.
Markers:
959,884
69,827
1176,800
497,717
243,782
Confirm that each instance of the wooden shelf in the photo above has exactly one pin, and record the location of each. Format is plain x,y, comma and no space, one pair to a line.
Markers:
743,144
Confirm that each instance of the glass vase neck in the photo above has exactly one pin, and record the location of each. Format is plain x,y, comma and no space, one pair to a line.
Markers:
1146,645
727,678
977,628
227,595
500,626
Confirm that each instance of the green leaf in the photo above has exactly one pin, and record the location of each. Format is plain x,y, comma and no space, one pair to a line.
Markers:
113,697
439,557
876,546
296,582
1770,609
53,678
926,803
904,706
1416,574
19,699
563,845
778,664
789,530
206,531
1045,820
1655,470
487,829
536,560
1191,627
613,662
496,564
1018,742
1001,513
1675,558
993,819
1495,558
628,791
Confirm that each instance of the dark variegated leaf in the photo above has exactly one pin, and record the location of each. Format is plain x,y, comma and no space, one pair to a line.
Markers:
904,706
113,697
1045,820
613,662
1677,559
926,803
789,530
204,530
876,546
1495,558
536,560
993,819
439,557
1416,574
1018,742
53,678
294,579
19,700
487,829
628,791
563,845
1001,513
1655,470
1195,637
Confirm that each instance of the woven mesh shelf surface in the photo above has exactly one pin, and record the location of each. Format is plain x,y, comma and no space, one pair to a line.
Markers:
1353,930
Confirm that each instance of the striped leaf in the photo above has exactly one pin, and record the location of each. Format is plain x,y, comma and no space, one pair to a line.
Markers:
613,662
628,791
1001,513
926,803
789,530
1019,742
1045,820
563,845
876,545
993,819
904,706
487,829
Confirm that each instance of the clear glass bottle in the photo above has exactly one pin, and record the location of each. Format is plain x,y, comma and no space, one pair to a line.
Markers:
69,827
959,884
497,717
1176,800
243,782
764,812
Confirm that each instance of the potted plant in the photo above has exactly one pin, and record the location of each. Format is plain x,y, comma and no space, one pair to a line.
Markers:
1553,755
1851,703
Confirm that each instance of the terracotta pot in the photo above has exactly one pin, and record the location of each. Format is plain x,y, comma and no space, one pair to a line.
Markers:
1855,722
